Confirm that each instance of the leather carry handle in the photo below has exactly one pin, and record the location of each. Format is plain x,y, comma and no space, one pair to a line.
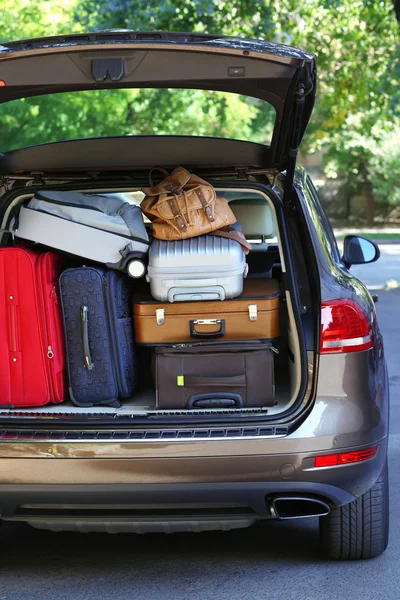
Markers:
161,170
173,185
207,334
85,337
215,400
233,234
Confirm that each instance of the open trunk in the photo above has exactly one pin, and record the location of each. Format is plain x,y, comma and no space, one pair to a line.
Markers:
265,261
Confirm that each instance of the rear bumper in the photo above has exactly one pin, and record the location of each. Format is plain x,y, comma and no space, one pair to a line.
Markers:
27,502
105,488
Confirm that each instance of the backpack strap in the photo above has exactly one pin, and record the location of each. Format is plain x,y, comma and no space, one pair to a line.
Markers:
233,234
177,216
205,205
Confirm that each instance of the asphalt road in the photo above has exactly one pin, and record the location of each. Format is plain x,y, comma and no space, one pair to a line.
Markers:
385,272
279,561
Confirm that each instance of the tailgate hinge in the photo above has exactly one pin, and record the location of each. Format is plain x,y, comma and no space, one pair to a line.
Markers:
37,178
294,143
245,173
241,174
5,185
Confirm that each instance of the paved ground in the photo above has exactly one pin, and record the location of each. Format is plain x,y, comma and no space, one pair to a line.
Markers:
280,561
385,272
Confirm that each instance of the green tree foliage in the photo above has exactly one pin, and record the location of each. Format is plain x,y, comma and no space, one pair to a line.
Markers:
98,113
355,41
357,109
23,19
385,168
358,62
228,17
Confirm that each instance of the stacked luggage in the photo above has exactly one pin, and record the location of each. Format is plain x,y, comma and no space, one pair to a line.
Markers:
67,329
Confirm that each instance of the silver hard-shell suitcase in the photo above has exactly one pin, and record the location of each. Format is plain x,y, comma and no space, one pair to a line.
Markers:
102,228
206,267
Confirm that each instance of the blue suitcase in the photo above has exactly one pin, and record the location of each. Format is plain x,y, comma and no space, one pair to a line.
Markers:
99,339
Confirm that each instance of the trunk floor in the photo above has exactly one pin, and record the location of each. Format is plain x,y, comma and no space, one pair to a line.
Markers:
143,401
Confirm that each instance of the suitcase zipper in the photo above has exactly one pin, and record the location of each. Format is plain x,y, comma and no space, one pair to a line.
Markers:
13,328
221,345
49,353
53,295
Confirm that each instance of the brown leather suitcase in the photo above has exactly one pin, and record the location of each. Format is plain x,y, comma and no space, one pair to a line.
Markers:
215,375
252,315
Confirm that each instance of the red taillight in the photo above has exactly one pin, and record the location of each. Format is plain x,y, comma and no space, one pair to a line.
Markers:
2,83
344,327
345,458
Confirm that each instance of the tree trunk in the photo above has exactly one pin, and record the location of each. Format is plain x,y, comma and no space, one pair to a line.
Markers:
369,196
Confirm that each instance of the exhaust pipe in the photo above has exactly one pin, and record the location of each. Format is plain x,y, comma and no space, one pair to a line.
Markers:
297,507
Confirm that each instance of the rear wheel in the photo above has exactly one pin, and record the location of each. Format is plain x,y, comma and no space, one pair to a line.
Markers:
360,529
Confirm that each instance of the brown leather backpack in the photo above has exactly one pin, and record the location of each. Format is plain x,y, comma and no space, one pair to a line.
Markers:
185,206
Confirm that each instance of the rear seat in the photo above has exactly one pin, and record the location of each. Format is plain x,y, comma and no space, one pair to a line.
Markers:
257,223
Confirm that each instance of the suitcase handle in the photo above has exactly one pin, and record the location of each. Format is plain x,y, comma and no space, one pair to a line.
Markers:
215,400
206,292
207,334
222,382
85,337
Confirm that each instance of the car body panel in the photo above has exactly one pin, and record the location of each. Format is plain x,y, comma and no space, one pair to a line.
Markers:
368,377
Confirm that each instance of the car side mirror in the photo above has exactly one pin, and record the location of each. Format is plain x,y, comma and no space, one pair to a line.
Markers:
359,251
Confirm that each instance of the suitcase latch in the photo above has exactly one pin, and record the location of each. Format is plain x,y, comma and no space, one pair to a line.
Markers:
253,312
160,316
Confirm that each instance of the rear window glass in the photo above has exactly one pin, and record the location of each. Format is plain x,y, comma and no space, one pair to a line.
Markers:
125,112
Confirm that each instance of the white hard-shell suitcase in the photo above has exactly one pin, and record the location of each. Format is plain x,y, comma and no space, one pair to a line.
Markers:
206,267
102,228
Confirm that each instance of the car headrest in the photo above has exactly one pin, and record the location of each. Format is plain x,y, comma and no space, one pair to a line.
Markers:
255,216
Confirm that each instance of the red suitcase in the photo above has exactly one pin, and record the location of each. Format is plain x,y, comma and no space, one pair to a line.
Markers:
32,355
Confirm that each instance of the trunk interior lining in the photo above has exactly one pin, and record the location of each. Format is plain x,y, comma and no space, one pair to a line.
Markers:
288,372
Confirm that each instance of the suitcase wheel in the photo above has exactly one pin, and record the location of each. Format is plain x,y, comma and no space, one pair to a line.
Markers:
136,268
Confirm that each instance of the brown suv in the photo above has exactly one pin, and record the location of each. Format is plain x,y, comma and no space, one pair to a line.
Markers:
321,449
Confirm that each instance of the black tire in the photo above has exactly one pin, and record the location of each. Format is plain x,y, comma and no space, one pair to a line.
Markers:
359,530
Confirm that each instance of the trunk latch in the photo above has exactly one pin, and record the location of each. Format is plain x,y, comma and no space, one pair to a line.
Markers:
113,68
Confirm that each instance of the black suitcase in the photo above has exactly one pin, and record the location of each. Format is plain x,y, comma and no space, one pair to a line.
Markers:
215,375
99,338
